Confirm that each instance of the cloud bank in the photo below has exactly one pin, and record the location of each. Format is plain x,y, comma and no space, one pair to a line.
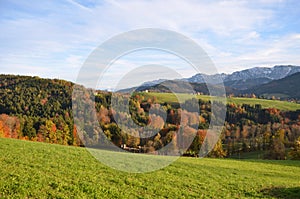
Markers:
53,38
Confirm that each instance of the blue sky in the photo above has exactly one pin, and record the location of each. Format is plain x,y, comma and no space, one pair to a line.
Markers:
53,38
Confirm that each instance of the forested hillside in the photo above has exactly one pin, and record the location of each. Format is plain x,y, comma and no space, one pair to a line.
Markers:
38,109
286,88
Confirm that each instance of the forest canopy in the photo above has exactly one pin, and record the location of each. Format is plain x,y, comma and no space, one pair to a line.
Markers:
37,109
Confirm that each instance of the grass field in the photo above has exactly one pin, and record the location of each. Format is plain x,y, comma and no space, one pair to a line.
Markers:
282,105
40,170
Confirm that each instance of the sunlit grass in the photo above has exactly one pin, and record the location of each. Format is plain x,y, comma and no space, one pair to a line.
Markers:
40,170
282,105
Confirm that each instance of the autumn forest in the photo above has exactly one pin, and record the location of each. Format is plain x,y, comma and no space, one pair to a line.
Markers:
40,110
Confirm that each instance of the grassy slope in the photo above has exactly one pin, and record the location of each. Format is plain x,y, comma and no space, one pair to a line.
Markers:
282,105
31,169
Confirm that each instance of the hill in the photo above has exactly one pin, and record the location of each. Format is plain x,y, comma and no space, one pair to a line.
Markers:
38,109
178,86
39,170
244,84
240,82
286,88
282,105
34,96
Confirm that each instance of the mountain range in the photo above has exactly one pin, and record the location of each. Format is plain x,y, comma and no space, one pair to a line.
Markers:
287,87
262,81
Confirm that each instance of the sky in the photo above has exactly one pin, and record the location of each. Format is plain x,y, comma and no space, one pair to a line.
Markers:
54,38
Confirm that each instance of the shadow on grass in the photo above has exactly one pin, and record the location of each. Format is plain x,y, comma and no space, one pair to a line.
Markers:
282,192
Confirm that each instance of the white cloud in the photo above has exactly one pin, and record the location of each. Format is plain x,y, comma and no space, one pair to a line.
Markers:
74,61
250,36
269,52
57,37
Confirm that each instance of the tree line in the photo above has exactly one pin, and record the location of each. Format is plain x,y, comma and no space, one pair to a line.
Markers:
37,109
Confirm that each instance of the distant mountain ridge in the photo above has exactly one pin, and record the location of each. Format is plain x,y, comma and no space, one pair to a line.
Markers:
276,72
211,79
280,81
241,80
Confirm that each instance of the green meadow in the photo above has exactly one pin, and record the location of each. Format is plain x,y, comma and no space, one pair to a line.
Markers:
282,105
40,170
